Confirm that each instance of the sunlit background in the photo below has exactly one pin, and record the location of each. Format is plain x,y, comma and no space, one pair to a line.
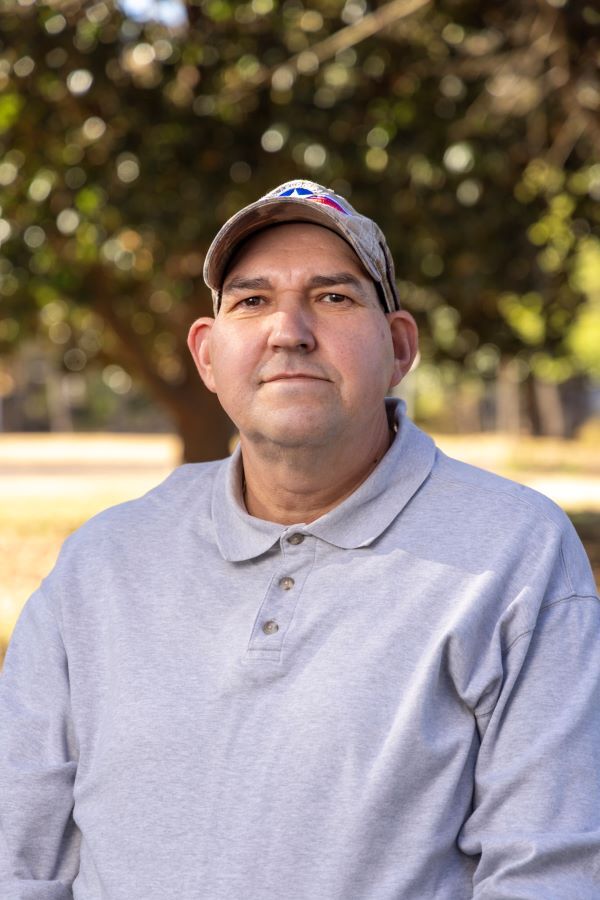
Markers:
129,132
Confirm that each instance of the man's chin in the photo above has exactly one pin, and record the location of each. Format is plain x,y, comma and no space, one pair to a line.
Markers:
300,429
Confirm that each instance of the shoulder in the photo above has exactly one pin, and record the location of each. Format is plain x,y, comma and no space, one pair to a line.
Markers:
478,489
482,522
147,523
187,487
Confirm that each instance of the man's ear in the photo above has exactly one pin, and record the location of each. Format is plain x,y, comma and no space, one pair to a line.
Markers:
199,345
405,339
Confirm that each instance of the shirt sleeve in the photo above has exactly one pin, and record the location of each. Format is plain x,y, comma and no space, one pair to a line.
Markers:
39,841
535,821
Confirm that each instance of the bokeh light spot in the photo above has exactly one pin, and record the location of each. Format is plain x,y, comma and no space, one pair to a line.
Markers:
79,81
117,379
8,173
273,139
93,128
55,24
5,230
23,67
128,168
67,221
459,158
59,333
75,360
34,236
315,156
468,192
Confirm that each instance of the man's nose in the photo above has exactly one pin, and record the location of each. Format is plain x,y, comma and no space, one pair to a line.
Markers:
291,328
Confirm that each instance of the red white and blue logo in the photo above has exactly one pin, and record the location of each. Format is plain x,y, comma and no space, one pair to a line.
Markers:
306,194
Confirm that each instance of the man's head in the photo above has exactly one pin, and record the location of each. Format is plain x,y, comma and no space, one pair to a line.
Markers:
301,351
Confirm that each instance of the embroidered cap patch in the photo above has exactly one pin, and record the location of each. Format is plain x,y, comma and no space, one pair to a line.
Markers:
306,194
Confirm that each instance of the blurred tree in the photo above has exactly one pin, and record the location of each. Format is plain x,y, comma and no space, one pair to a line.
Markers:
468,130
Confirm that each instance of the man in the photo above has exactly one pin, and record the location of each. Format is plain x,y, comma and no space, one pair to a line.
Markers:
336,666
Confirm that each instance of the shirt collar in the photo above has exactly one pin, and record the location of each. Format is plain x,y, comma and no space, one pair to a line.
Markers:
356,522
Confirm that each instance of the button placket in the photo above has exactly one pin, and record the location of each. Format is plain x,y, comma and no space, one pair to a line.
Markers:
277,609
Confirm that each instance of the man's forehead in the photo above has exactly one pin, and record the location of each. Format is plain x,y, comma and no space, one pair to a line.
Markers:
286,243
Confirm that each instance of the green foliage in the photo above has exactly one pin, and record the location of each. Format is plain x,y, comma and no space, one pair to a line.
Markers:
583,338
10,107
525,316
467,130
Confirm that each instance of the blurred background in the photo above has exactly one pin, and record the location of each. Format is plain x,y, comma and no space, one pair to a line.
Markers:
129,132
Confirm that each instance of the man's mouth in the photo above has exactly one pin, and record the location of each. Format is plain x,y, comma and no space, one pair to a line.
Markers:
293,376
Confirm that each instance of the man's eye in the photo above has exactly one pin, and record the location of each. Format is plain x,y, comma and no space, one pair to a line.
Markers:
250,302
335,298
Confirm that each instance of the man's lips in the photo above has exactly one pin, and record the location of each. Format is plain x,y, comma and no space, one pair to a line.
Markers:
293,376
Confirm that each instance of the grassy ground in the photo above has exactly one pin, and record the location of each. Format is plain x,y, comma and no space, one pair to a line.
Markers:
51,484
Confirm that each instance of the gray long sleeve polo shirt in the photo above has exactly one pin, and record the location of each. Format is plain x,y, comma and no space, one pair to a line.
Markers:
397,701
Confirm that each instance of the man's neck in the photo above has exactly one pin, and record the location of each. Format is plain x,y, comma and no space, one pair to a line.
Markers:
293,485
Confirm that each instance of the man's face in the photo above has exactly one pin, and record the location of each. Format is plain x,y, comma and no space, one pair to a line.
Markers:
301,352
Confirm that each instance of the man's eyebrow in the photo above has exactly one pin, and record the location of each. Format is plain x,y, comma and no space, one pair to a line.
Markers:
335,279
239,283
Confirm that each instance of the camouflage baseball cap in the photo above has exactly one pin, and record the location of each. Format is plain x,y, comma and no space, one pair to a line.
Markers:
305,201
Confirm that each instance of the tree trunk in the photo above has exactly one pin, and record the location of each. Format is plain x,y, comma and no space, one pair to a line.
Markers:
203,426
508,401
531,406
550,408
59,410
575,399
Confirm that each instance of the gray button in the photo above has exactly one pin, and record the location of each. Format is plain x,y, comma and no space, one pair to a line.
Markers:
286,583
295,538
270,627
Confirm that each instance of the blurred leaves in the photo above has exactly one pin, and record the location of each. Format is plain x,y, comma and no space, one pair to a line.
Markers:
468,130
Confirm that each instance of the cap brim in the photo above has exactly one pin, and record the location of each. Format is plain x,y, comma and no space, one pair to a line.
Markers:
262,214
